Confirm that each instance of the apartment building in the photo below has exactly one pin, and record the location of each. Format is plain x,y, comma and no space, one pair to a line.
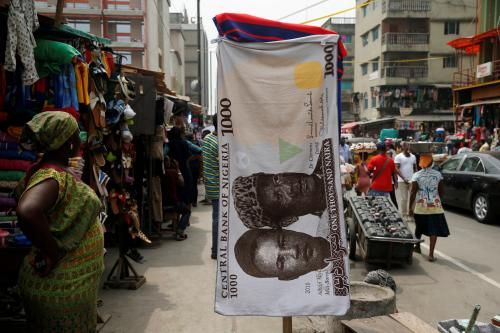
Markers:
192,87
404,67
138,29
177,60
344,26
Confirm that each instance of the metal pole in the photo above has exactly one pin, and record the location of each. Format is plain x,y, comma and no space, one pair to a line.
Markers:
59,13
198,23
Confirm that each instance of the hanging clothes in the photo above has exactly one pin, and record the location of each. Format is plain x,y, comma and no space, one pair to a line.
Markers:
50,55
82,82
22,21
65,88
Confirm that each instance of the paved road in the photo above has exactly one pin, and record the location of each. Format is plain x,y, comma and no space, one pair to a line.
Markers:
467,272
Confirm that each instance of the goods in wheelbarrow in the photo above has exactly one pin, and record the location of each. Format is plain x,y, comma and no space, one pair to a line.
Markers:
383,236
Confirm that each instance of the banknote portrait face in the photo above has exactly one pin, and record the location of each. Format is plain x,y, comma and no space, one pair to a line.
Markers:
282,254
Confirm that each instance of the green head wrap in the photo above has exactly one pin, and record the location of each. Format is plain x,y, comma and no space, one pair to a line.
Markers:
48,131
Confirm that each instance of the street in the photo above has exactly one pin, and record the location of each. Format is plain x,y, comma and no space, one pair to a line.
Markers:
179,293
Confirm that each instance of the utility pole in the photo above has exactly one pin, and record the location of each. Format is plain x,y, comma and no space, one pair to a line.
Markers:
199,49
59,13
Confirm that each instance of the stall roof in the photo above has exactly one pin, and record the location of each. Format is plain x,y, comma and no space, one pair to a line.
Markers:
428,117
471,44
64,31
349,126
159,77
488,101
375,121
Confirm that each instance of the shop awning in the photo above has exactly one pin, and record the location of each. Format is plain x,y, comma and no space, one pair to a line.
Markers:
472,44
375,121
488,101
428,118
349,126
47,29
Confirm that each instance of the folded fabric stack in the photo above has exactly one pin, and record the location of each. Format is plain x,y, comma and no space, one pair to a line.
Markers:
13,166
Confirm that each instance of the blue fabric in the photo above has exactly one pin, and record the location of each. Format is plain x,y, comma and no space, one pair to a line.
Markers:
16,155
65,94
215,225
375,193
9,146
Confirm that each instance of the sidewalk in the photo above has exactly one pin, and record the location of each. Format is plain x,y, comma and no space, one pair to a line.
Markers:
179,292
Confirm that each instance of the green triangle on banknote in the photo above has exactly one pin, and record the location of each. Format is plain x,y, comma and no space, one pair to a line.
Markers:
288,150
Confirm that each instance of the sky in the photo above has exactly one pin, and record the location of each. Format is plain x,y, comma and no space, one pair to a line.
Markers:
269,9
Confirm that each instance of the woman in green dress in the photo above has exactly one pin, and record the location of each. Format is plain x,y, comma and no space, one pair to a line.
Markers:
59,214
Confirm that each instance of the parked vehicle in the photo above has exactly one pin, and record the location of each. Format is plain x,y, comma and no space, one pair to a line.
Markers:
472,181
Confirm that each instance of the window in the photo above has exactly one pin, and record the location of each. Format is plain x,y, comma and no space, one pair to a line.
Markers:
374,4
41,4
348,61
119,5
80,25
472,164
346,85
347,39
452,28
375,33
451,165
364,39
366,102
364,69
450,61
120,31
364,9
76,4
374,102
126,57
375,65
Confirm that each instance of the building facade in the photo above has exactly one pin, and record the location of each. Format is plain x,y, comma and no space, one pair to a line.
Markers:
344,26
192,86
404,67
138,29
177,60
476,85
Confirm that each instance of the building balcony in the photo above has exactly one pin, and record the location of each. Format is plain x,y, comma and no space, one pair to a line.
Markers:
127,45
394,75
405,42
406,8
483,73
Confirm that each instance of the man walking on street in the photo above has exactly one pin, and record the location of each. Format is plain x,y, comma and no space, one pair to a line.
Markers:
345,151
406,166
210,153
383,169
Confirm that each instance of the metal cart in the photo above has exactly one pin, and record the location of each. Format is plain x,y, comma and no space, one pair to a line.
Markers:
377,250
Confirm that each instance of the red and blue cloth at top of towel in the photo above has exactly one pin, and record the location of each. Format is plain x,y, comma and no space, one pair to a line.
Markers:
251,29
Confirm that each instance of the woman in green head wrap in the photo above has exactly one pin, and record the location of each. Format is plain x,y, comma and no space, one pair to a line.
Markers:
59,214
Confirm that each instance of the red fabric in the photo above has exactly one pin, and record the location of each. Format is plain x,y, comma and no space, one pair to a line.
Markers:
3,116
88,55
111,61
14,165
71,110
478,134
384,180
40,86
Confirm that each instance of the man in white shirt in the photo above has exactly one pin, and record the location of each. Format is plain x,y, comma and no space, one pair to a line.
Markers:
345,151
406,165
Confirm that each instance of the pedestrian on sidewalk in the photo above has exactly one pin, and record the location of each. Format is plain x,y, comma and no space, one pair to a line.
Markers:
383,169
210,154
425,204
406,165
391,153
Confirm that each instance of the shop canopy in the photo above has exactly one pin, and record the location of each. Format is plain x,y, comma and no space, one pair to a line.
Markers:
488,101
65,31
349,126
472,44
432,118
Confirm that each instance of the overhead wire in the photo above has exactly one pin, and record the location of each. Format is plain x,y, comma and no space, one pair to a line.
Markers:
303,9
339,12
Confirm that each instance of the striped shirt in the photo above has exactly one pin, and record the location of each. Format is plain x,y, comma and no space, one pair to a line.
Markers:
210,153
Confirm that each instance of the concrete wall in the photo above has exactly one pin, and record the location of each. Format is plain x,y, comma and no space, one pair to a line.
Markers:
191,58
177,59
152,43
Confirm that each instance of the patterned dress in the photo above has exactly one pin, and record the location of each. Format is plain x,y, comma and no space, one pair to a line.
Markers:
65,300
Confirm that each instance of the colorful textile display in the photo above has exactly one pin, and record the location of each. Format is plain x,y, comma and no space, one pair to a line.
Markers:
10,175
14,165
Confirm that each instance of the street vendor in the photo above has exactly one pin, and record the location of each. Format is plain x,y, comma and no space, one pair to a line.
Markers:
425,204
